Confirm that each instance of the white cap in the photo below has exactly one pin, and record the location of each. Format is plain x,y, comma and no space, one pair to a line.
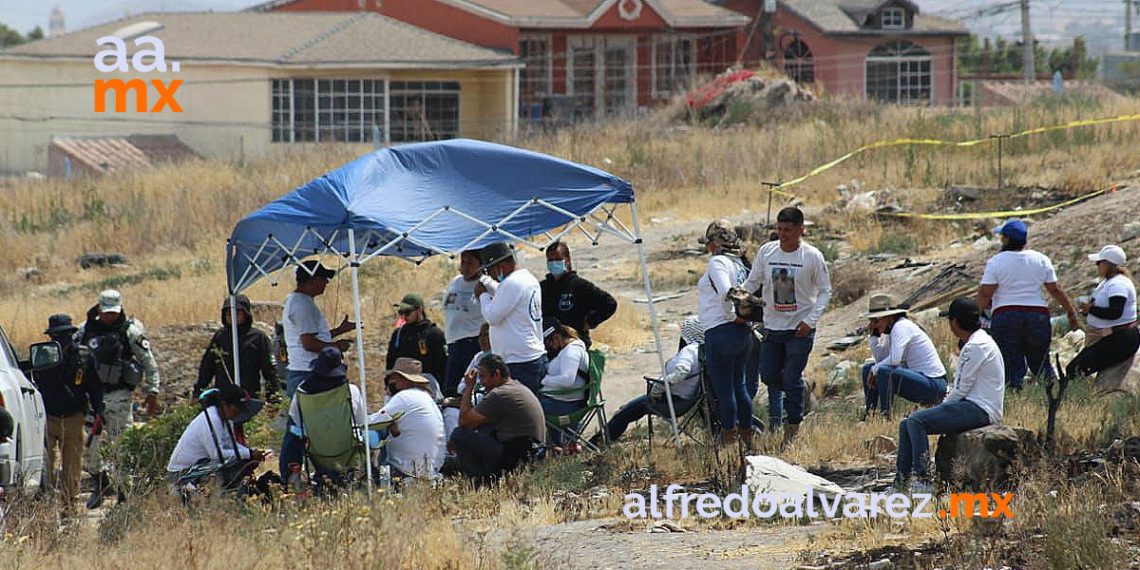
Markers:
110,301
1110,253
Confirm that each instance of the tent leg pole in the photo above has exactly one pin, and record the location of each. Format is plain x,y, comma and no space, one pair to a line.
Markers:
354,265
234,336
653,321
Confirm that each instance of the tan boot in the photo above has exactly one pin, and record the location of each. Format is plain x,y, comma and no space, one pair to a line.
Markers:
746,439
790,433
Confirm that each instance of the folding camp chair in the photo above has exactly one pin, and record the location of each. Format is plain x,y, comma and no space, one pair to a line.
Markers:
574,424
334,445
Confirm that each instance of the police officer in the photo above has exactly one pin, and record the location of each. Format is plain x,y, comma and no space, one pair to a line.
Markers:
120,357
67,392
419,339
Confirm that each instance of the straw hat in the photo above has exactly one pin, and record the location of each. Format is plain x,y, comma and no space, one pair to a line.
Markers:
882,306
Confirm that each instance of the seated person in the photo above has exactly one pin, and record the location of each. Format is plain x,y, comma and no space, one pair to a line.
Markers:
1111,316
210,435
511,414
906,362
976,399
415,436
327,371
563,390
451,405
682,372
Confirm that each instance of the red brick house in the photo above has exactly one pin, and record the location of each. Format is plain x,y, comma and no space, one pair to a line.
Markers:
878,49
584,58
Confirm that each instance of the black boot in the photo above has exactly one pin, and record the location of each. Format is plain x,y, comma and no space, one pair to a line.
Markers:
102,486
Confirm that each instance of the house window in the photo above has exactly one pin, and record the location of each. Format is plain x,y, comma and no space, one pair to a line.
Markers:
674,59
899,72
424,110
893,18
534,81
327,110
601,77
798,62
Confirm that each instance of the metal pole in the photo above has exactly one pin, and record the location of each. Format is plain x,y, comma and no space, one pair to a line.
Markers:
1127,25
999,138
1029,71
653,321
354,265
771,186
234,336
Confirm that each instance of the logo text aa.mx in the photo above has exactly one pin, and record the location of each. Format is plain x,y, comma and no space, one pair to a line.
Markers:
139,63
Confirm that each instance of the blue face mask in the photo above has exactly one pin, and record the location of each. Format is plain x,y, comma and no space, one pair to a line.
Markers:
556,268
499,276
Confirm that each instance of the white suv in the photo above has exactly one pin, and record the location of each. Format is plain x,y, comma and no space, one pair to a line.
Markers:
21,457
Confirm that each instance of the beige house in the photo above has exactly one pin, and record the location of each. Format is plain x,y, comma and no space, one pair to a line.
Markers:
253,84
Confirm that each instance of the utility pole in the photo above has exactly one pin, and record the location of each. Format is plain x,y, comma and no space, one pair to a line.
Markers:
1127,25
1028,71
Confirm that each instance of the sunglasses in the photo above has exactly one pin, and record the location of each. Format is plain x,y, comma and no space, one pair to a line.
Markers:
405,312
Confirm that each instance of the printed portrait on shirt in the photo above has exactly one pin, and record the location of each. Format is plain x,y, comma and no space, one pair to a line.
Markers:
784,288
461,301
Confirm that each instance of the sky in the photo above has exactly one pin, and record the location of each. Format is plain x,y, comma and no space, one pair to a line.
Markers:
1054,21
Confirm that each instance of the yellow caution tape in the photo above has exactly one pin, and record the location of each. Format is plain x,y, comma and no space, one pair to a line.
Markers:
1002,214
959,144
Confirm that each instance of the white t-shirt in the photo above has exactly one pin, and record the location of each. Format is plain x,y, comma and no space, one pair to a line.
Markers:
1019,276
797,287
683,372
723,273
419,449
1118,286
302,316
462,317
980,377
197,442
563,373
515,316
911,348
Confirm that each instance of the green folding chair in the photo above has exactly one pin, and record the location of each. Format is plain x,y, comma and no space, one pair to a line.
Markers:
333,441
572,426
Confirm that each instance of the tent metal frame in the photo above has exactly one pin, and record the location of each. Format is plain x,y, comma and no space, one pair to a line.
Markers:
600,221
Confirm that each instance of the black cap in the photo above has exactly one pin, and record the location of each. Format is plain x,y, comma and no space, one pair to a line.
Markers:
235,395
313,267
550,325
60,323
495,253
964,309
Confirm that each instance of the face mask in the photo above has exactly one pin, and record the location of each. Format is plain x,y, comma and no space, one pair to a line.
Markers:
499,276
556,268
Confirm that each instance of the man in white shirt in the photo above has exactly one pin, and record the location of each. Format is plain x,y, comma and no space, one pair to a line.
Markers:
306,330
796,290
906,362
462,319
975,400
416,443
514,311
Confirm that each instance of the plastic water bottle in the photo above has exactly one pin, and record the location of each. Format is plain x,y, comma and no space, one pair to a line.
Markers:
384,478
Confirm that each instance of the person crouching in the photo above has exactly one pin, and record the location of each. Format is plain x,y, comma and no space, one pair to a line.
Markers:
210,438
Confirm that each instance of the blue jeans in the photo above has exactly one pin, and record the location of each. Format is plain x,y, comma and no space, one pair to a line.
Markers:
530,374
726,347
459,355
949,418
894,381
640,407
752,367
293,380
553,407
1023,337
783,357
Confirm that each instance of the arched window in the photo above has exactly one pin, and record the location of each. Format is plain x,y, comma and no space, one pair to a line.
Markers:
899,72
798,63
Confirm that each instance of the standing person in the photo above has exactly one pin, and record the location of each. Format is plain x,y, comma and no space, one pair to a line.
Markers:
796,291
255,353
975,400
727,337
121,358
514,311
574,301
906,363
462,319
419,339
1011,290
1111,314
68,392
306,330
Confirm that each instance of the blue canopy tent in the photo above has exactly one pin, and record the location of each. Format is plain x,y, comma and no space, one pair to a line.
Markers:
438,198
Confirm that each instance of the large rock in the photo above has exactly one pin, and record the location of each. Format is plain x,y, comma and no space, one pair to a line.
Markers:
1123,377
981,459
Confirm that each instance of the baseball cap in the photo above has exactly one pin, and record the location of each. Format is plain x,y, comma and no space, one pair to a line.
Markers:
1110,253
411,301
1014,229
494,253
247,406
964,309
313,267
550,325
110,301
